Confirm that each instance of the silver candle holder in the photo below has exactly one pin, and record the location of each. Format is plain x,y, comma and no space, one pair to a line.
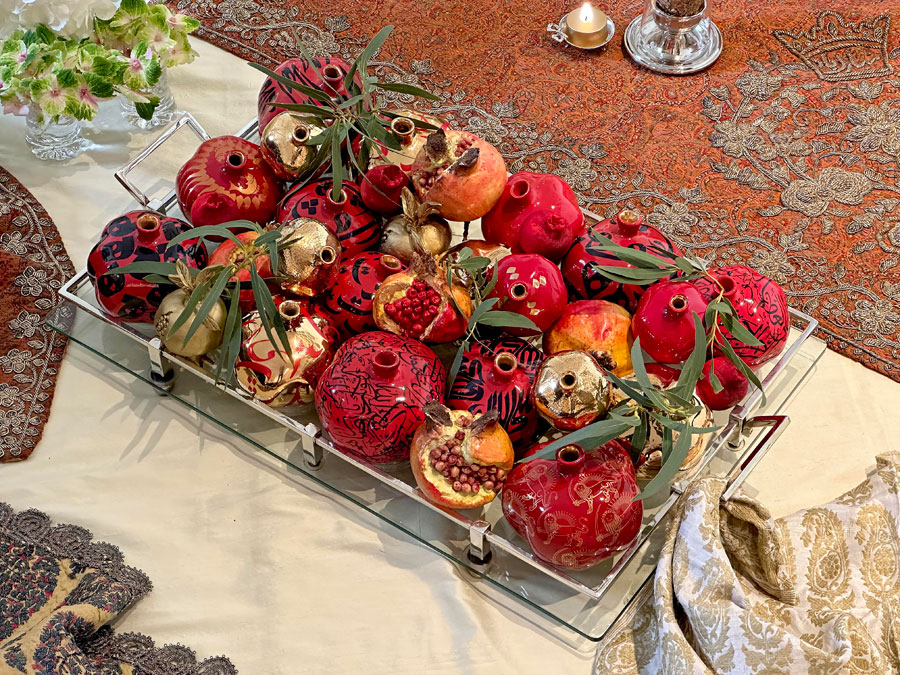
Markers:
675,37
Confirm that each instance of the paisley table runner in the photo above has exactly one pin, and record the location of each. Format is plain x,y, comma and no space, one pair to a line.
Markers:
34,266
58,589
782,156
737,592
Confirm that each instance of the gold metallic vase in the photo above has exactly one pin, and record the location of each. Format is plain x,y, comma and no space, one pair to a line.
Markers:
571,390
285,145
309,264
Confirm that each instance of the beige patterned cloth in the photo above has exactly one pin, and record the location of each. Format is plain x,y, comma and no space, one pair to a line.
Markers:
738,592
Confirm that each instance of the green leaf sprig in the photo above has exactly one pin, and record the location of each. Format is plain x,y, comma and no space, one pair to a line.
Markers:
349,115
212,283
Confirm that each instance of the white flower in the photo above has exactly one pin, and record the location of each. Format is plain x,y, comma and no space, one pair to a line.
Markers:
69,18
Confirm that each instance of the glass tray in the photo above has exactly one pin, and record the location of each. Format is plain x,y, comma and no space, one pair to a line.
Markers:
481,541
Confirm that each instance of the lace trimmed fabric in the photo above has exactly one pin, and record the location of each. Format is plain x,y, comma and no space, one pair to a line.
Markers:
59,589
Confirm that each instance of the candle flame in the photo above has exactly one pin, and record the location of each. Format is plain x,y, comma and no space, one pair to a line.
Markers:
587,12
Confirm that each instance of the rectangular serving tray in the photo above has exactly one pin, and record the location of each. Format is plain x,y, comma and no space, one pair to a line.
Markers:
586,602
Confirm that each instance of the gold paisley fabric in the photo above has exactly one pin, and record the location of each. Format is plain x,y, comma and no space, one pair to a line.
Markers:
738,592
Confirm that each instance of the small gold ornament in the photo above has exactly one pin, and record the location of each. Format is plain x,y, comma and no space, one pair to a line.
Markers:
418,227
309,261
209,336
571,390
285,144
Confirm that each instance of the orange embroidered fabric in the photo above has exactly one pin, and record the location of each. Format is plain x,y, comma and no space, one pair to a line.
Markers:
783,155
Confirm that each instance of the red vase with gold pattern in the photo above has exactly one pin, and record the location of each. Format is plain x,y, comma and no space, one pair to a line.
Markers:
348,301
371,398
532,286
227,179
497,375
536,213
582,263
578,509
269,374
138,236
761,306
333,71
357,228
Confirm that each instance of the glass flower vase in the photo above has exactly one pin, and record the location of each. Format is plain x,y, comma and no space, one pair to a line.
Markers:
164,112
53,139
675,37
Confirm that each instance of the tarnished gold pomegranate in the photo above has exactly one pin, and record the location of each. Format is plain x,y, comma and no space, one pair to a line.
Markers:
209,336
459,460
418,227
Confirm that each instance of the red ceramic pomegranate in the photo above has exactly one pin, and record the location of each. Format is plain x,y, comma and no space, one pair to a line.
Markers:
227,179
497,375
479,248
460,460
229,253
664,320
761,306
357,228
578,509
371,398
537,213
581,264
734,385
664,374
133,237
381,187
459,171
300,70
349,300
532,286
419,304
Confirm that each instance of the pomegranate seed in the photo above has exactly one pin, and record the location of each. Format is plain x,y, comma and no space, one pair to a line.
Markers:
440,466
457,485
501,474
464,422
454,471
476,486
488,485
435,454
466,487
412,292
460,435
452,459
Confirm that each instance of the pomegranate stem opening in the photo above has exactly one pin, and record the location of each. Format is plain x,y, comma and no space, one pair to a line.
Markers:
386,362
332,73
301,134
519,189
148,222
568,380
289,309
678,303
518,291
403,126
727,284
327,255
340,200
506,362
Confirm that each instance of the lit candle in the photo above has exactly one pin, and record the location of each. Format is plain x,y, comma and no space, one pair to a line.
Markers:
586,26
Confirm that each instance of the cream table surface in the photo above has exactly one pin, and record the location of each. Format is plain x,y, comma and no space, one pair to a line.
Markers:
274,572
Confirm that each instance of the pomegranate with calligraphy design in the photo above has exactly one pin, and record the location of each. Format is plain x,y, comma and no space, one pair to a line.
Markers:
348,301
532,286
578,509
371,398
497,375
274,377
581,265
138,236
357,228
760,304
227,179
331,83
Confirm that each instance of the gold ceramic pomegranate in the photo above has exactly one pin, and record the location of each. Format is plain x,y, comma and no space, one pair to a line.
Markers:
309,264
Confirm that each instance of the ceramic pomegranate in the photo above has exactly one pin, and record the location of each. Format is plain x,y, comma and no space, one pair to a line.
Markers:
578,509
418,303
478,248
227,179
458,459
411,140
356,228
734,385
596,326
650,460
532,286
208,336
300,70
459,171
537,213
348,301
371,398
229,253
571,390
309,264
417,228
761,306
284,144
580,266
381,188
497,375
132,237
270,375
664,320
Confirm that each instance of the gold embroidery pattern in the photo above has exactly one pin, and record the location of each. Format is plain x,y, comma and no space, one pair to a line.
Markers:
827,574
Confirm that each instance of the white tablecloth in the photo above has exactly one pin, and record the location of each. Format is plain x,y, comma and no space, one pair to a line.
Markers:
281,576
